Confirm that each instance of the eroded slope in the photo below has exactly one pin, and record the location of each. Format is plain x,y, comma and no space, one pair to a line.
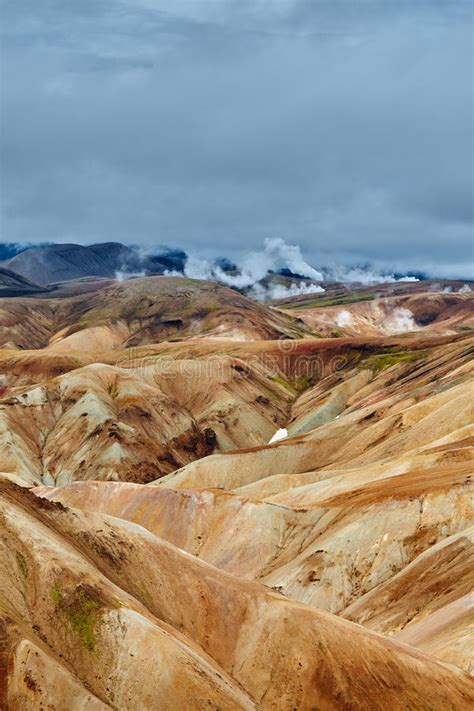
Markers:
98,608
373,493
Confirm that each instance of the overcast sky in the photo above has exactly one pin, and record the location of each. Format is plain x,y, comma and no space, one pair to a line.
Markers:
344,126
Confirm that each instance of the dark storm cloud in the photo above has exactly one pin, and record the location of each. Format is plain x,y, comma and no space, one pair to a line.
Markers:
343,126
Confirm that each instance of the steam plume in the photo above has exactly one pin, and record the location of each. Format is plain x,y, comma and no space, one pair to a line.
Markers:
123,276
401,320
280,291
344,318
275,255
367,277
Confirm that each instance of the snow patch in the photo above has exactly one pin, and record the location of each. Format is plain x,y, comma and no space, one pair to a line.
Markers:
279,434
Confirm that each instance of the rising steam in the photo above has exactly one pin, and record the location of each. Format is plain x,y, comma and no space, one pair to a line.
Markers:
251,272
367,276
464,289
344,318
124,276
401,320
280,291
275,255
255,266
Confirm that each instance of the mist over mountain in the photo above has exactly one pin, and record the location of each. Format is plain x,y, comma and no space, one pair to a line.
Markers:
63,262
277,270
11,249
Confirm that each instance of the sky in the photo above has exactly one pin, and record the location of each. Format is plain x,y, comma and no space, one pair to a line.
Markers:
342,126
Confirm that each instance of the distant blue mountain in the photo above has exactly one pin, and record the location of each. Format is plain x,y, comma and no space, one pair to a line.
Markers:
11,249
63,262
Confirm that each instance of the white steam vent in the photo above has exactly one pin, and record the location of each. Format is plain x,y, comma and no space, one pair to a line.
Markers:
124,276
401,320
279,291
344,318
254,266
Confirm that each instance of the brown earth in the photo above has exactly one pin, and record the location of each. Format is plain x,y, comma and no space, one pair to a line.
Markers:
139,311
115,617
387,309
168,557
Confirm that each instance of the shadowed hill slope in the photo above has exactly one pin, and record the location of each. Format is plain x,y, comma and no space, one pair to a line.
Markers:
12,284
135,424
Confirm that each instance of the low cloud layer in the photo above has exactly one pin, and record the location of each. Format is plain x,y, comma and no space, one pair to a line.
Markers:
213,125
277,256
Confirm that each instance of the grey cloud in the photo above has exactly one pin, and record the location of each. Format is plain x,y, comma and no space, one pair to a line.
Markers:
345,127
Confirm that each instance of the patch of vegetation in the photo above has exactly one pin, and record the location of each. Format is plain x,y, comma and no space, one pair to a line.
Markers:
22,565
321,302
378,363
284,383
56,592
98,316
303,383
81,608
189,282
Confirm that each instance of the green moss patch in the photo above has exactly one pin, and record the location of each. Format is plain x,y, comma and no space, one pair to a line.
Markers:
303,383
284,383
324,301
81,608
378,363
22,564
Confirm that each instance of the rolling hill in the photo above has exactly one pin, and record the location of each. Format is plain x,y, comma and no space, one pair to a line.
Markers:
106,315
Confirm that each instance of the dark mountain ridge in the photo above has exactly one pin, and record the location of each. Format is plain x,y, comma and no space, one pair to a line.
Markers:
12,284
63,262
